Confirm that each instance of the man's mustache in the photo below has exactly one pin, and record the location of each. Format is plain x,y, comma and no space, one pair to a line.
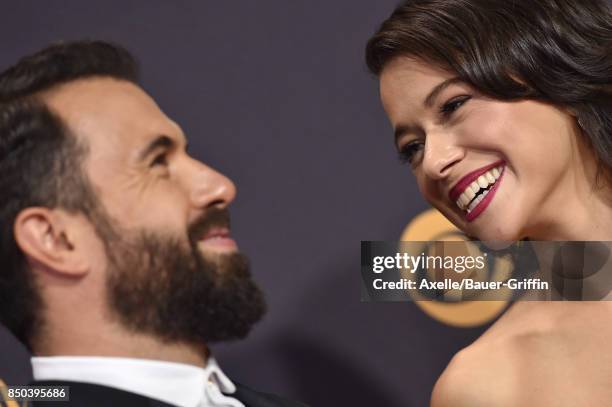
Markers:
211,219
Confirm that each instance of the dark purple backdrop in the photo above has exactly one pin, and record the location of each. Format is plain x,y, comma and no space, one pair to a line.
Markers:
276,95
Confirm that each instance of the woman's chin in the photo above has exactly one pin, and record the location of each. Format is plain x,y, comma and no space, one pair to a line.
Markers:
495,236
492,227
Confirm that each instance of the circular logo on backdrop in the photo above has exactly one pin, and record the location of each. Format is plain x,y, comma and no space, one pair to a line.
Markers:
431,225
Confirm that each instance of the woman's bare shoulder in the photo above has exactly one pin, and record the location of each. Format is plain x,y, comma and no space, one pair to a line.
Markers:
474,378
530,356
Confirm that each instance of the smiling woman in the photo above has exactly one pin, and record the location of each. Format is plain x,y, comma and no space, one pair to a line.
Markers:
503,111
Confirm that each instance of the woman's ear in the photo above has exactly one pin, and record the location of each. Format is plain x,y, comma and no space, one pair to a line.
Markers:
574,114
48,237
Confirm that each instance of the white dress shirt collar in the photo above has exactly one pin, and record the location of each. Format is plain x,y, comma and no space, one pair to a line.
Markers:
174,383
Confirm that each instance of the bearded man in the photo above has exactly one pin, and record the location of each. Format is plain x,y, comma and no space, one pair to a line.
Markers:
118,268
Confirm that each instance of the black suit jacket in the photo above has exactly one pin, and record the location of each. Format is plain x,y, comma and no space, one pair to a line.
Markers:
93,395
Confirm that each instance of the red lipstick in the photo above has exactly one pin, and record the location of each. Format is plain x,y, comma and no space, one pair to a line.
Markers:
464,182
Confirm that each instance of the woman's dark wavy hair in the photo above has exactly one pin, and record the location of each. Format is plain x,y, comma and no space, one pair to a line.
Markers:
554,51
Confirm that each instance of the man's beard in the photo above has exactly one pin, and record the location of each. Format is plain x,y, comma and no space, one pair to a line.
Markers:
162,286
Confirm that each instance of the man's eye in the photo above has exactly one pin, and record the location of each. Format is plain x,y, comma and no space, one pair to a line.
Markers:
159,160
449,108
408,153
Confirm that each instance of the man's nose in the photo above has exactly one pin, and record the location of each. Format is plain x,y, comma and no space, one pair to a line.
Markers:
209,187
440,155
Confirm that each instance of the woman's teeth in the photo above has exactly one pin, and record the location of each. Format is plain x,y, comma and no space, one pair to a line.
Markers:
468,199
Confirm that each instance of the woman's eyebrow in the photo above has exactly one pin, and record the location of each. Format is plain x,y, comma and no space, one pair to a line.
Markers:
402,129
433,94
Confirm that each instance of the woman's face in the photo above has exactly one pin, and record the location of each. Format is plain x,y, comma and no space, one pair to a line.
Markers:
498,170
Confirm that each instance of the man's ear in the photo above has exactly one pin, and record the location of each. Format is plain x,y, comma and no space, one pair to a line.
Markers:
48,237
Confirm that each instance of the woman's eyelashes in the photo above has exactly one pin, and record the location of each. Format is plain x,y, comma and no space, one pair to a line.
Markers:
447,109
408,153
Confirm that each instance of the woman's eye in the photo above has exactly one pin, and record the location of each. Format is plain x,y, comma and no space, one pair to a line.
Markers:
408,153
449,108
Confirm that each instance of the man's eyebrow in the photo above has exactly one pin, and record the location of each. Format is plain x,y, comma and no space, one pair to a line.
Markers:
161,141
429,100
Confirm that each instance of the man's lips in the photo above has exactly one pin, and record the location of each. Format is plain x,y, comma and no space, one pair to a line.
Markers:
216,233
218,238
464,182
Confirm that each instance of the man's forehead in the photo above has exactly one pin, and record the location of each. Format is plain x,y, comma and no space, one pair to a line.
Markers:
108,110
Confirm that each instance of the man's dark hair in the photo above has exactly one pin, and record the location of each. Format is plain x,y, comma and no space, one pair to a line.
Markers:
41,162
554,51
